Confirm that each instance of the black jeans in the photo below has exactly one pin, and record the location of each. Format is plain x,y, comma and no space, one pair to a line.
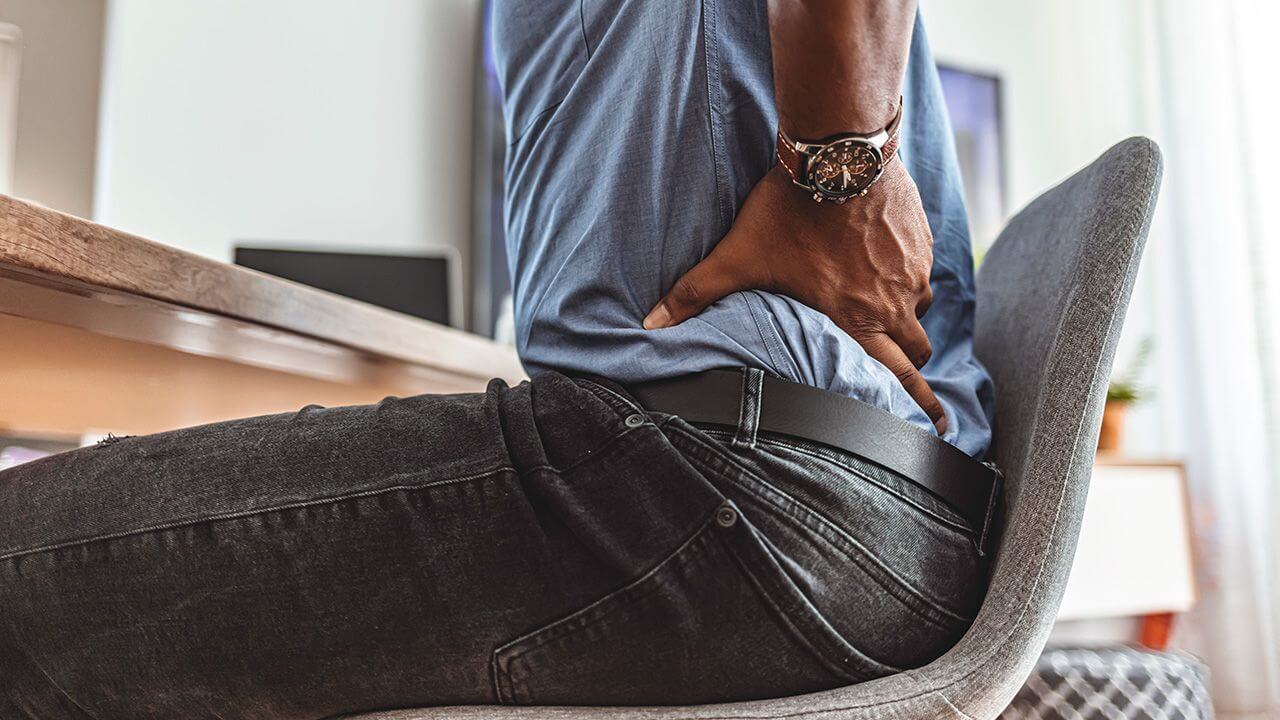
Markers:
549,543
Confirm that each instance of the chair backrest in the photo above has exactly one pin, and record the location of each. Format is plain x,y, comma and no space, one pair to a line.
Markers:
1052,295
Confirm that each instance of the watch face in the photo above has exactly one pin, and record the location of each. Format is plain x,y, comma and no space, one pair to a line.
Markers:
844,168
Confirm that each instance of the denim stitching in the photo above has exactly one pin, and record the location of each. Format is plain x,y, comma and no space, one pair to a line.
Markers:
906,593
595,454
799,448
503,684
609,396
250,513
749,408
814,521
742,412
799,614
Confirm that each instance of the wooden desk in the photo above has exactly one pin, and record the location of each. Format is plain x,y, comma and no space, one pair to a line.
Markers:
102,330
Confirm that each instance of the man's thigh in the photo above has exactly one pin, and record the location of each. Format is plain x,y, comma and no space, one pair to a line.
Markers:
271,566
327,561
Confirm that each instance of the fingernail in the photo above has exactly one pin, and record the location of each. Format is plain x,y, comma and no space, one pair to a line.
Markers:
658,317
941,424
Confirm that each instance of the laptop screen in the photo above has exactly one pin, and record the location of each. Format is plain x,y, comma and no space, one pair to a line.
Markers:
414,285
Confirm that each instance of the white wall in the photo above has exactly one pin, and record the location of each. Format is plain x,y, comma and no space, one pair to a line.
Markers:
1069,71
336,122
1077,79
57,100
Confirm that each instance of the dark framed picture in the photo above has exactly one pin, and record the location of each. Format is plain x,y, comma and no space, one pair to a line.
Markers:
974,103
490,278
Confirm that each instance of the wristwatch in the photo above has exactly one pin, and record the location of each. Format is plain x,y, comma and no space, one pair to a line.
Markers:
839,167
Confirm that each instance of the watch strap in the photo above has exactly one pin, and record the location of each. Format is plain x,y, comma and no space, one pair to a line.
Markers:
890,148
791,160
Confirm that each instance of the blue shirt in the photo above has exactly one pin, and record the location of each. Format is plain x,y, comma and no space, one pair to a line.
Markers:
635,130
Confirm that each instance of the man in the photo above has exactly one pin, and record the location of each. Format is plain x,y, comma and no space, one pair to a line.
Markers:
652,535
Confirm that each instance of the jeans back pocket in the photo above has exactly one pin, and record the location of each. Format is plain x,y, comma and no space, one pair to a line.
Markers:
893,571
716,620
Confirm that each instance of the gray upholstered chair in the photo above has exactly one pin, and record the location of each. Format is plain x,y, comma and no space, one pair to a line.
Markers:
1052,294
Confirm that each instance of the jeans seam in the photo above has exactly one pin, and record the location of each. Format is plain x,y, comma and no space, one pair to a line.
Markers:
895,585
958,527
501,682
330,500
796,447
742,415
596,389
594,454
858,554
797,612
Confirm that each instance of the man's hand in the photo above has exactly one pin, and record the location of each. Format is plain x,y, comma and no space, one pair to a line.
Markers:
864,264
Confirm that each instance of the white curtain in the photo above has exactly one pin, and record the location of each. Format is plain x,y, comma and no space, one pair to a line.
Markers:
1215,68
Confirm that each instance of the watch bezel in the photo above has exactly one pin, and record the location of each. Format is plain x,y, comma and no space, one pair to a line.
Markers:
883,146
813,151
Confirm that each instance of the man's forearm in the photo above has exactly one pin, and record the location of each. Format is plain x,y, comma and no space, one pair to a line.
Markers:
838,64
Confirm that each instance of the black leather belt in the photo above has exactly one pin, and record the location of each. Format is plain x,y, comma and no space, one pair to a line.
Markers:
716,396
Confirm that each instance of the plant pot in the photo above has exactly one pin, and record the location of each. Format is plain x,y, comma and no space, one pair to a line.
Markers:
1112,435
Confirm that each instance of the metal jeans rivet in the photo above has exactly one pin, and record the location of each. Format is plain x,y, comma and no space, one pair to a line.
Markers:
726,517
634,420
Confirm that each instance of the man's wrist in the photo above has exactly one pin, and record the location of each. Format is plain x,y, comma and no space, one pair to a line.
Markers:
869,115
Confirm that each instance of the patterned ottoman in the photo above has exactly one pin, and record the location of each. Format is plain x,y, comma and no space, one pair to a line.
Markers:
1113,683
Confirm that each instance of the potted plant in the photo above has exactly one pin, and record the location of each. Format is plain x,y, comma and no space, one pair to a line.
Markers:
1123,391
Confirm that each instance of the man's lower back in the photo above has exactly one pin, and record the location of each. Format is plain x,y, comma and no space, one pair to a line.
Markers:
635,134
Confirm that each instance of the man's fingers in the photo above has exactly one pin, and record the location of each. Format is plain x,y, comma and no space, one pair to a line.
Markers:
882,348
706,282
914,342
926,299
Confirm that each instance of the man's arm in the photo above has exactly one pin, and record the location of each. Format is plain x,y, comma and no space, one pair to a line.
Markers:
838,64
838,67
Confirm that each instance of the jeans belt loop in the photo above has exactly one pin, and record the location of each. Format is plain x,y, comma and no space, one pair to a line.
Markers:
987,533
749,409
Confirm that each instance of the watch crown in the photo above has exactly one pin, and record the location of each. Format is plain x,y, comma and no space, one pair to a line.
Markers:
817,197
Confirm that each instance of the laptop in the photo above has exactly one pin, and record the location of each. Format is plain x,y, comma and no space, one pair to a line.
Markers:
422,284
